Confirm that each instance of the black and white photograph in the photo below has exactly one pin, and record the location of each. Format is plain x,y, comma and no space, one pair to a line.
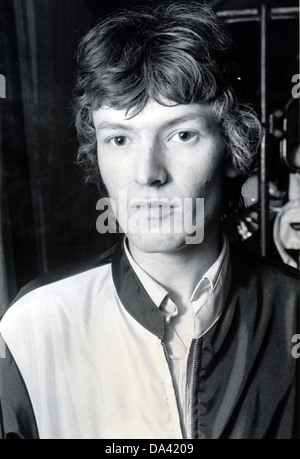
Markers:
149,222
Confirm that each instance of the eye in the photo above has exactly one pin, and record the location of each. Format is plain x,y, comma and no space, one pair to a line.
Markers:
118,141
183,136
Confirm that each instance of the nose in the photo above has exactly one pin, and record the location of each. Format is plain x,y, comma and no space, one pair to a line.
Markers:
150,167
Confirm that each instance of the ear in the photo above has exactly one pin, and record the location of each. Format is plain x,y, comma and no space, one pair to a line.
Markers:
229,170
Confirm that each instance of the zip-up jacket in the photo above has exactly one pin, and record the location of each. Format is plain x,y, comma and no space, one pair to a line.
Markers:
85,357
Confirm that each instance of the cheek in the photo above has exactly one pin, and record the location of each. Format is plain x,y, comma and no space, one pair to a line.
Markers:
205,168
202,182
109,172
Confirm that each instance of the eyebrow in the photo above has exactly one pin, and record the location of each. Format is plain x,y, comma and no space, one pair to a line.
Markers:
106,125
184,118
171,123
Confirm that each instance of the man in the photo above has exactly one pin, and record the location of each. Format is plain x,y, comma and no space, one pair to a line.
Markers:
169,335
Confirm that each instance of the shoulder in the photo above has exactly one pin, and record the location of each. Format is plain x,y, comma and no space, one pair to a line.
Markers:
66,273
269,274
62,292
266,296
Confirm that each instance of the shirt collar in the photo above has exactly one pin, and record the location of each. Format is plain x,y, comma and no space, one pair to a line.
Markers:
158,293
212,274
139,304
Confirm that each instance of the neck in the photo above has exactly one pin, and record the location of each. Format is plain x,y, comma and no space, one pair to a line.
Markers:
179,271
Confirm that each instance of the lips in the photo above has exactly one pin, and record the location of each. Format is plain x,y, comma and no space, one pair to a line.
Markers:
153,210
153,203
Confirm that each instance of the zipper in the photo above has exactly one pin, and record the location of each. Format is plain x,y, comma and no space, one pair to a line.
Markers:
166,354
192,389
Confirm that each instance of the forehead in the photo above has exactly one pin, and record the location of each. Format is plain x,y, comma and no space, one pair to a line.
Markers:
155,115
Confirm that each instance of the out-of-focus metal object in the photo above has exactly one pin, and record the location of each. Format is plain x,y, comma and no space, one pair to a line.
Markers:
262,15
254,14
290,143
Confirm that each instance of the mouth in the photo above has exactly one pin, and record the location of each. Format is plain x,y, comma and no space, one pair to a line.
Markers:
153,203
152,210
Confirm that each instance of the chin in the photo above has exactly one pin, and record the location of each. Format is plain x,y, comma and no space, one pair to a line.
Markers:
157,243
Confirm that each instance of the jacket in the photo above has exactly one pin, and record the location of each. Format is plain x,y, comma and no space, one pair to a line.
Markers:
246,380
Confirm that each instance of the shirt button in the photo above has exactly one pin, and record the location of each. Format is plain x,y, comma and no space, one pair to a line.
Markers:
170,307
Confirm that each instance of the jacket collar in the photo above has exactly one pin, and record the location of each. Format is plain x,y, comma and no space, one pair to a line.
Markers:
134,297
140,306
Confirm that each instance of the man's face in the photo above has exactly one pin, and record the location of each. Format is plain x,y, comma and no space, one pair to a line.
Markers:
163,152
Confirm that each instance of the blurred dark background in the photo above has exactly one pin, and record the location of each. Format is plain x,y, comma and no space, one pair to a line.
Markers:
47,212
